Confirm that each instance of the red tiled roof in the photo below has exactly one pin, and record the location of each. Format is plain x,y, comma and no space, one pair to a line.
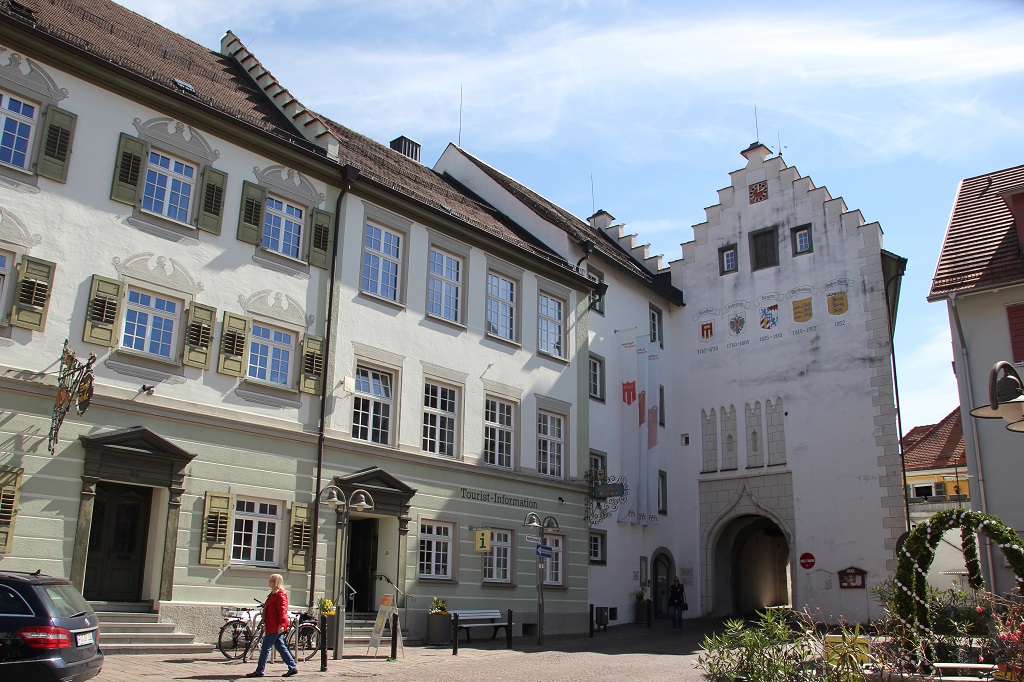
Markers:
941,446
915,434
981,248
130,41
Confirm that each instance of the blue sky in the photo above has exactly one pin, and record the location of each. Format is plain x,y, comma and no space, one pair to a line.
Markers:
641,108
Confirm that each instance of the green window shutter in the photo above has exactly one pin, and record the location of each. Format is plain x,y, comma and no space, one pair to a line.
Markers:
128,170
55,144
101,319
199,335
10,479
940,488
250,214
311,380
33,296
233,336
211,204
216,547
301,537
321,239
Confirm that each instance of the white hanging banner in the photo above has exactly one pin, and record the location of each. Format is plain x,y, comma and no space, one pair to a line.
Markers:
629,411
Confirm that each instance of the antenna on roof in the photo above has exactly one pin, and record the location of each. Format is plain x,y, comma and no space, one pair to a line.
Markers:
593,199
757,132
460,114
779,152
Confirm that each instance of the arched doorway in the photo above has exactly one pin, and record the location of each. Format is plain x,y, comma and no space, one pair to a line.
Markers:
661,576
751,566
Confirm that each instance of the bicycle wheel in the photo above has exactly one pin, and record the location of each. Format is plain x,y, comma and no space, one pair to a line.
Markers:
252,650
234,638
305,642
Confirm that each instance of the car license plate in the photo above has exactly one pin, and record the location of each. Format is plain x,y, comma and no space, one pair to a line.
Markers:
84,638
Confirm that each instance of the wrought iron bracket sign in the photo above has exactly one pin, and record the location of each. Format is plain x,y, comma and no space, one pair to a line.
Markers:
604,495
74,385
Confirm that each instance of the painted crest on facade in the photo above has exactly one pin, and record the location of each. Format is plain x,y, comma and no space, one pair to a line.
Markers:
629,392
737,323
803,310
707,331
838,303
770,316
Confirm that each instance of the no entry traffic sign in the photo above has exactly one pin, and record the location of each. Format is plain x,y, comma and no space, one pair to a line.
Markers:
806,560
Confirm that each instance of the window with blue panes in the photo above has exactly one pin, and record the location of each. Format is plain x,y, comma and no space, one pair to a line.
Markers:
169,188
382,262
19,123
444,288
270,354
282,227
501,306
150,323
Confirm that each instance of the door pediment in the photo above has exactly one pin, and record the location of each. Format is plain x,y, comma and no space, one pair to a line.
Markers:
391,496
135,455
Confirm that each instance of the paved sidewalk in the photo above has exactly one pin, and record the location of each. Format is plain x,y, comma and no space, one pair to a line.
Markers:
625,652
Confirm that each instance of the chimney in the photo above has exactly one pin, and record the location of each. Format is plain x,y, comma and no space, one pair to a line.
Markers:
403,145
601,220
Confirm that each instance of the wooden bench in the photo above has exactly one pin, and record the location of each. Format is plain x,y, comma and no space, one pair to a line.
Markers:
976,668
469,619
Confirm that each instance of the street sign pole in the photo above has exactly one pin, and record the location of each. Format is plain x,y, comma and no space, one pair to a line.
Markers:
540,600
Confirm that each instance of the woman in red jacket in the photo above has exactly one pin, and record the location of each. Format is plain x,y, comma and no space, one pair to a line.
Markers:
275,622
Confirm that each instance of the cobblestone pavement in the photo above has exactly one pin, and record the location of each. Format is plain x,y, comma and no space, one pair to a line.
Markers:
625,652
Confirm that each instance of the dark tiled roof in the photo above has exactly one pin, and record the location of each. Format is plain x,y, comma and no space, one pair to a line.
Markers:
941,446
981,249
577,229
401,174
128,40
915,434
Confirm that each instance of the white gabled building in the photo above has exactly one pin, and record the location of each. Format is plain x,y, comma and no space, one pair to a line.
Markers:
777,434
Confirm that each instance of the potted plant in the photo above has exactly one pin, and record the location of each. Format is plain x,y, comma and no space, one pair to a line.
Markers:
328,619
643,604
439,623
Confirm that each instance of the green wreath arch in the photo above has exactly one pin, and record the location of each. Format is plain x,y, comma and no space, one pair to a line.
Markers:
918,552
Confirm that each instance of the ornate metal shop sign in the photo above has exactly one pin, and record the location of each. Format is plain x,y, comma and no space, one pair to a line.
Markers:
604,494
74,384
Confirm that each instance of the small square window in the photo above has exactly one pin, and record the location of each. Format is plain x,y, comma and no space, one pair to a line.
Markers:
598,462
802,242
764,248
598,547
657,329
727,259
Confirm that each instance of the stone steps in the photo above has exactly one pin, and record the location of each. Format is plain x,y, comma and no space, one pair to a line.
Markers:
128,628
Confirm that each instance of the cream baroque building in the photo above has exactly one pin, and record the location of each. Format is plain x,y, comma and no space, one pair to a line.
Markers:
277,303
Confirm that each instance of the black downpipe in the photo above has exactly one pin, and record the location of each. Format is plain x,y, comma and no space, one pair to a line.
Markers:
349,175
896,387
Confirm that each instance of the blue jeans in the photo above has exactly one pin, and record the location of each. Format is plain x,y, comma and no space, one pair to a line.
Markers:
272,639
677,616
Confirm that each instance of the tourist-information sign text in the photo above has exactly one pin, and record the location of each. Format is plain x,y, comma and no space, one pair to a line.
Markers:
605,490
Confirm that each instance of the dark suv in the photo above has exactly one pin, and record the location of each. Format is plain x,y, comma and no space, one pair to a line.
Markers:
48,632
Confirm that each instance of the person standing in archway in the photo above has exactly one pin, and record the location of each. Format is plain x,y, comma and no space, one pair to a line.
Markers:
676,603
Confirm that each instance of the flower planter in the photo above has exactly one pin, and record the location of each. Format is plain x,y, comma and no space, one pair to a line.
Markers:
439,629
642,612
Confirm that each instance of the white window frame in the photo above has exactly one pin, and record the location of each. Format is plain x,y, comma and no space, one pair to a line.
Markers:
279,213
596,301
502,314
551,454
554,566
134,308
9,117
280,348
596,377
496,429
598,461
440,546
728,259
379,402
175,179
382,246
498,563
445,285
256,517
597,549
551,315
441,402
923,489
802,233
657,326
7,283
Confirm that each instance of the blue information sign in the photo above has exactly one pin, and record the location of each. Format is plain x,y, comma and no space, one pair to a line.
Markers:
544,551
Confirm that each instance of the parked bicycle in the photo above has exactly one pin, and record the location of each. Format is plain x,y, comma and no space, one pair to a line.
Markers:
302,636
238,629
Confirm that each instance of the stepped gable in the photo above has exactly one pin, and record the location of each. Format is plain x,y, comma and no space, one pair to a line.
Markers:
981,248
423,185
942,445
125,40
579,230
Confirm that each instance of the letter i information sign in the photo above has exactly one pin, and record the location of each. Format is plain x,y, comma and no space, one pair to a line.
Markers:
482,540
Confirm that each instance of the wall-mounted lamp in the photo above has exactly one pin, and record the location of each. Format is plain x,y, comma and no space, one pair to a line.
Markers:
588,248
1006,397
600,289
561,501
148,390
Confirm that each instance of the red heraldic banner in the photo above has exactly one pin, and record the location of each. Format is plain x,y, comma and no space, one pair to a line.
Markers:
629,409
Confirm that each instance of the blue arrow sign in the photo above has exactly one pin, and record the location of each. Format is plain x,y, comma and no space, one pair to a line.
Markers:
544,551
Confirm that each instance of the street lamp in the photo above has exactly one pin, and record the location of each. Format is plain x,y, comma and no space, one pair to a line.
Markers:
359,500
1005,397
548,525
